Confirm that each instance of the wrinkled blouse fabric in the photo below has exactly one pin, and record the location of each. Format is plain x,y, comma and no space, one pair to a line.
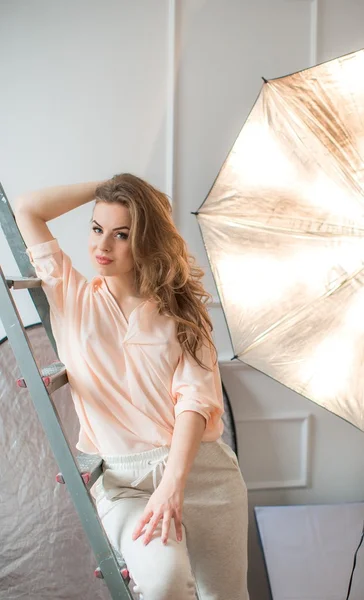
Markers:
129,380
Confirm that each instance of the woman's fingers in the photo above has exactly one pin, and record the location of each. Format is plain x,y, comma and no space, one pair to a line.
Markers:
140,524
152,519
166,525
152,525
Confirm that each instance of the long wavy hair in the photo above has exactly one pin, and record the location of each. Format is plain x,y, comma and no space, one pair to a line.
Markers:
164,270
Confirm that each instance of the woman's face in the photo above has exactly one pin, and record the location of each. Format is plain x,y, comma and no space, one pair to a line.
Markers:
109,239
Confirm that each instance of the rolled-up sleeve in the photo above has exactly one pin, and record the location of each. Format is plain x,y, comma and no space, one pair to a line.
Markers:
198,389
61,282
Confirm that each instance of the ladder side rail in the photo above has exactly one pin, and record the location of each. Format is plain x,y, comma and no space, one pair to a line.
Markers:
48,416
18,247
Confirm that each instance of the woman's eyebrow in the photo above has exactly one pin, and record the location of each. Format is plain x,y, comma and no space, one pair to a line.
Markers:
115,229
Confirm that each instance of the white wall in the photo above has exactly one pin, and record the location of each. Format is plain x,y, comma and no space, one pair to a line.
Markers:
85,95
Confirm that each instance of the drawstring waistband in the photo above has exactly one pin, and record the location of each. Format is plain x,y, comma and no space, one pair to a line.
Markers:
147,462
161,463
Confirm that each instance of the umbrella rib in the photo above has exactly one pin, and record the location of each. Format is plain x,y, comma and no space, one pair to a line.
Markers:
291,316
352,232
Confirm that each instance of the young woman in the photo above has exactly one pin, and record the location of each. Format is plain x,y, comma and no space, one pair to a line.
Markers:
142,367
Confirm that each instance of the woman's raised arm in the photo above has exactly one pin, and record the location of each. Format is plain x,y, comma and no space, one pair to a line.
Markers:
32,210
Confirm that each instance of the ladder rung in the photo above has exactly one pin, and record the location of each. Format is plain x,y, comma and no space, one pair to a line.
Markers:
124,572
90,468
54,376
19,283
122,566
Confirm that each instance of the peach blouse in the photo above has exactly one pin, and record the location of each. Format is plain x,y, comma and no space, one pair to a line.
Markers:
129,380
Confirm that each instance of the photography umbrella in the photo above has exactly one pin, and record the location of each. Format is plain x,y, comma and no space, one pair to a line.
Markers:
283,228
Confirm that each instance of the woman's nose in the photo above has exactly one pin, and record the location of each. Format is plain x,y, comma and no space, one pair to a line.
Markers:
104,246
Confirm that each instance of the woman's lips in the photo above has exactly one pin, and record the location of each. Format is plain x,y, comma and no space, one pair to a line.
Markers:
103,261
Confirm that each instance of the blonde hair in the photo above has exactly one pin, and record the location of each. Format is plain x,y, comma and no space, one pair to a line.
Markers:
164,270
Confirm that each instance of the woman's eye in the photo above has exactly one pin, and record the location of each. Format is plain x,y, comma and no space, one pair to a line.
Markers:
124,236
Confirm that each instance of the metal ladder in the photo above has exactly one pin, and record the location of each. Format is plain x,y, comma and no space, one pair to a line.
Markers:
78,474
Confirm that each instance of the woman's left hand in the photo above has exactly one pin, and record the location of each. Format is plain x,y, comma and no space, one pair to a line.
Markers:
165,503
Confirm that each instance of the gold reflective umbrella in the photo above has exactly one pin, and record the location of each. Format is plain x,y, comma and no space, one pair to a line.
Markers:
283,227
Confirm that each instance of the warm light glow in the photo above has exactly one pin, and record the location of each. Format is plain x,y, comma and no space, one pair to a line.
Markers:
329,370
353,316
258,158
326,374
283,227
333,198
253,281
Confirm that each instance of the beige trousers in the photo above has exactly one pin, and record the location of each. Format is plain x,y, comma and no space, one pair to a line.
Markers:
211,561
